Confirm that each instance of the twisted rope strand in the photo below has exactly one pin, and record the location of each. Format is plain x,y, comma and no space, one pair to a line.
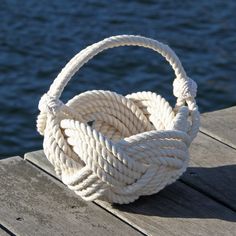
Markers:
117,148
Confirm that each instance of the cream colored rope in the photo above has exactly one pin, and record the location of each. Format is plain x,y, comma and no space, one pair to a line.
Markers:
113,147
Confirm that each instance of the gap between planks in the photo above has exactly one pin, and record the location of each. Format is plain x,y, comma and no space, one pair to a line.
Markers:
40,201
135,213
220,125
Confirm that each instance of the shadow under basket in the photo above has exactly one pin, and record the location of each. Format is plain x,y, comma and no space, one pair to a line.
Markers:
117,148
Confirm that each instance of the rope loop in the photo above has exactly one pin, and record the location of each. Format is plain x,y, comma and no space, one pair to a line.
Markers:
184,87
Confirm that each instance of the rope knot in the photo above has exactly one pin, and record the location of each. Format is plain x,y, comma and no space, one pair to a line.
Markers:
49,104
185,89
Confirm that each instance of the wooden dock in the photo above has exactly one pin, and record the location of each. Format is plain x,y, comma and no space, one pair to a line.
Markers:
203,202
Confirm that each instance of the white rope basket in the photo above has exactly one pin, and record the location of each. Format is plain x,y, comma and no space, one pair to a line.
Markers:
117,148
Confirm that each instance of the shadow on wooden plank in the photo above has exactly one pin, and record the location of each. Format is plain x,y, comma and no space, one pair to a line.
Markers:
178,202
211,179
214,169
191,200
216,182
178,205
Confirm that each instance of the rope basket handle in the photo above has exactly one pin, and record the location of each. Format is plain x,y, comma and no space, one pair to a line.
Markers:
183,87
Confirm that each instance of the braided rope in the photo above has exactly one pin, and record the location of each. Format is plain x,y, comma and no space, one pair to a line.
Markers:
117,148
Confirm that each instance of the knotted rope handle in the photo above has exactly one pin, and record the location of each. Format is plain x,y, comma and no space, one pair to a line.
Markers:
184,88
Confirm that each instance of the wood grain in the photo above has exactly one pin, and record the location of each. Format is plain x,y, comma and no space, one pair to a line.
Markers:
33,203
177,210
213,170
221,125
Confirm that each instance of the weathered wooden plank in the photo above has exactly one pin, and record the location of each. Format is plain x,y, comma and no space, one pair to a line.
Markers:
221,125
38,158
177,210
212,169
33,203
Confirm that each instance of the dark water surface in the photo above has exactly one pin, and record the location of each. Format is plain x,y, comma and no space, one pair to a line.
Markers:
37,38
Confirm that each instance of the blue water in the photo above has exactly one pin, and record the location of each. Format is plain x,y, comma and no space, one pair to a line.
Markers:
37,38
